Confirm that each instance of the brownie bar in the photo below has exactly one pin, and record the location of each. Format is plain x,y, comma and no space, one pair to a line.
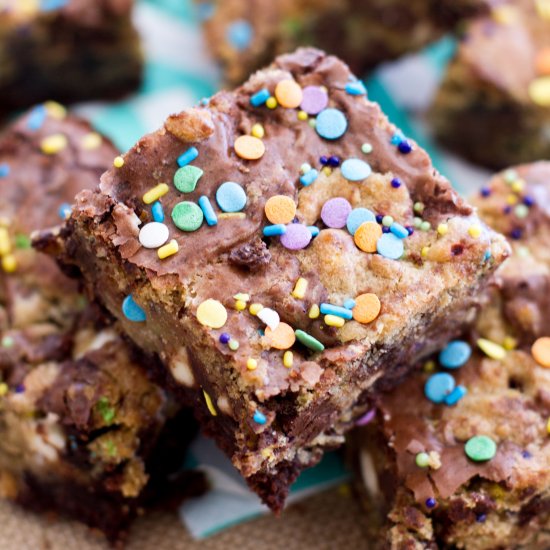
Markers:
246,35
414,462
493,106
276,329
83,431
68,50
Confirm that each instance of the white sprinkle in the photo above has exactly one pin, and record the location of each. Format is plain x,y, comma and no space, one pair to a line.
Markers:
270,317
153,235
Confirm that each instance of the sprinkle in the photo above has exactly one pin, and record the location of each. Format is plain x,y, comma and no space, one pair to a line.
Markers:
390,246
168,249
270,317
334,321
399,231
231,197
404,147
282,337
367,418
331,124
356,88
158,212
9,263
422,460
442,229
233,345
424,252
539,91
118,162
314,100
280,209
64,211
349,303
274,230
3,389
418,207
5,245
474,231
260,97
425,226
455,396
314,312
480,448
224,338
367,235
22,241
367,308
209,404
189,156
91,141
439,386
155,193
249,147
355,169
186,178
296,237
259,418
187,216
431,502
242,296
37,117
387,221
289,94
541,351
300,288
255,308
306,167
309,341
153,235
271,103
358,216
491,349
132,311
330,309
366,148
509,343
335,212
240,34
314,230
396,183
309,177
258,131
521,211
4,170
251,364
54,144
455,354
288,359
212,313
7,342
208,211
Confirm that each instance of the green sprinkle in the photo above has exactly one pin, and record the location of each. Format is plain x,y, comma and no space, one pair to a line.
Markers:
425,226
366,148
417,222
105,410
422,460
418,207
186,178
187,216
308,340
110,447
510,176
387,221
22,241
521,211
480,448
7,342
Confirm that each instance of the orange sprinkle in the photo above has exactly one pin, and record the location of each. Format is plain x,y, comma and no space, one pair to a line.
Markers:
543,61
541,351
367,308
280,209
289,94
282,337
249,147
367,236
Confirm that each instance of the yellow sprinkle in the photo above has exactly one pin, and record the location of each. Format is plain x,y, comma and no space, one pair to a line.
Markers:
491,349
258,131
474,231
314,312
327,171
429,366
300,288
268,454
334,321
543,7
548,426
518,186
3,389
442,228
509,343
54,144
424,251
5,245
505,15
9,263
251,364
288,359
209,404
255,308
55,110
511,200
302,115
242,296
91,141
232,216
271,103
168,249
539,91
118,162
155,193
212,313
240,305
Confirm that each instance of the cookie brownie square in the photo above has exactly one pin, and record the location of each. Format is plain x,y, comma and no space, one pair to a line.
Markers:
67,50
281,247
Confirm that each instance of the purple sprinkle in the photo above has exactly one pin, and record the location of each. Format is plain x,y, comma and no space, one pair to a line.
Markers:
323,160
20,388
335,212
480,518
314,100
379,218
526,454
385,229
405,147
516,233
366,418
507,209
334,161
396,183
410,230
224,338
528,201
485,191
297,236
430,502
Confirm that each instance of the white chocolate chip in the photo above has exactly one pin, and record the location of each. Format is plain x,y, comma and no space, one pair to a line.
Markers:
181,368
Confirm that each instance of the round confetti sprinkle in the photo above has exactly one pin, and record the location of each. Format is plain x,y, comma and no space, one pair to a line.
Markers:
335,212
539,91
439,386
186,178
153,235
367,308
480,448
282,337
366,236
231,197
187,216
280,209
390,246
240,34
541,351
296,237
358,216
355,169
212,313
314,100
331,124
132,311
249,147
289,93
455,354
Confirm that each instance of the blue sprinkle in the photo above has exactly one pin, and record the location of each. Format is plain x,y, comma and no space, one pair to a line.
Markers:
439,386
329,309
397,138
356,169
487,255
528,201
240,34
358,216
385,229
398,230
390,246
485,191
274,230
331,124
526,454
205,11
314,230
208,211
64,211
259,98
515,233
132,311
456,395
431,502
4,170
349,303
189,156
50,5
259,417
204,101
157,211
405,147
20,388
309,177
396,183
333,161
379,218
37,117
356,88
224,338
323,160
480,518
455,354
231,197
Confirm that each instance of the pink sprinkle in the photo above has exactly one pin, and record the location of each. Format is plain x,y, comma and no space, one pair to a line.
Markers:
296,237
314,100
335,212
366,418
